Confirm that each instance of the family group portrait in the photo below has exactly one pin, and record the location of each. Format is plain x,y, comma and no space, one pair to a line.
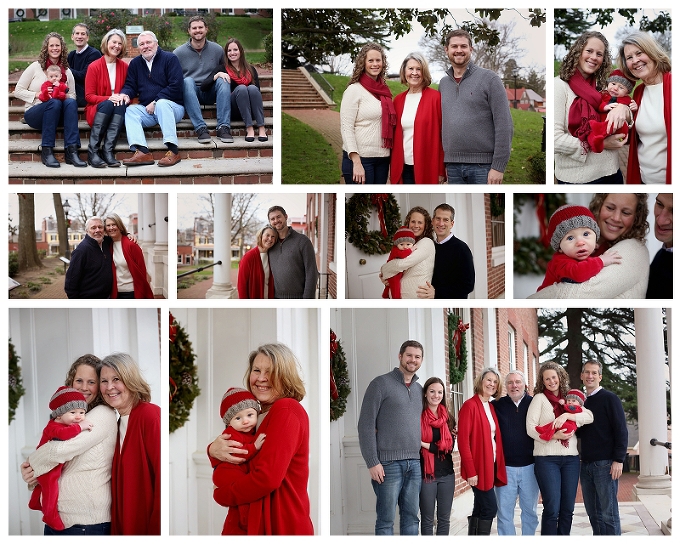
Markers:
612,96
84,439
413,96
597,245
425,245
256,246
108,95
500,421
245,431
88,245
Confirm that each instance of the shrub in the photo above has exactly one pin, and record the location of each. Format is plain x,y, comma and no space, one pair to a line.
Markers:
536,168
33,287
100,24
211,23
44,280
42,253
268,43
13,264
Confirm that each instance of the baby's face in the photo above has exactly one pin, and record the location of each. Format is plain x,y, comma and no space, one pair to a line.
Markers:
405,245
54,78
244,421
616,89
578,243
72,416
573,402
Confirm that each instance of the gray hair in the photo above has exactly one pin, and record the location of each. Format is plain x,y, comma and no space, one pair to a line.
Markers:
94,218
519,373
149,33
81,25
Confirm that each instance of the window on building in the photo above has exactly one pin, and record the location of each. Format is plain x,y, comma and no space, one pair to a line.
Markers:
526,359
511,348
179,259
497,220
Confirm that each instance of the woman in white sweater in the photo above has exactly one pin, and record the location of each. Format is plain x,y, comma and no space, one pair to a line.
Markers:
419,265
556,461
85,483
622,219
368,119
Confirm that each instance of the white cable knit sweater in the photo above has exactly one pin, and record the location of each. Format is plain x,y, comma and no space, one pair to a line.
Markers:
417,268
625,280
361,123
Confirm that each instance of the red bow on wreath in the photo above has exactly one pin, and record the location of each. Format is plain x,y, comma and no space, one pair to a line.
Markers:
174,388
173,329
379,201
458,336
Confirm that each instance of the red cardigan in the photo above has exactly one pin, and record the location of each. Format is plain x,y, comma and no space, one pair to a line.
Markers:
98,84
276,486
475,448
428,152
562,267
135,260
633,175
250,283
136,475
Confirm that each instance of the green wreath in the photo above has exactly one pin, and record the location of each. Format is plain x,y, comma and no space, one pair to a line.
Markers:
183,379
457,348
497,204
340,388
358,210
16,388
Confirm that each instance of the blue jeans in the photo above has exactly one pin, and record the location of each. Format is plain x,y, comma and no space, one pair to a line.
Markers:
47,116
439,492
167,114
459,173
557,477
400,487
248,100
599,496
521,482
219,94
98,529
376,169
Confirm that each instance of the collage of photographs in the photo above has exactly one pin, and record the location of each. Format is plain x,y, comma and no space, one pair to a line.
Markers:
486,376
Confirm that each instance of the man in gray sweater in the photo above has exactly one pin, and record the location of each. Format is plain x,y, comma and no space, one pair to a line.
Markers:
291,259
476,121
389,437
199,57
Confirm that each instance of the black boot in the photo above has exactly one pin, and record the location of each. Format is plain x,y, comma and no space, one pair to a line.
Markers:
71,157
93,157
110,141
48,159
484,526
472,525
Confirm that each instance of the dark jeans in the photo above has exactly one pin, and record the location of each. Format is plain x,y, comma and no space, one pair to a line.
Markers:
557,477
408,176
47,116
439,492
599,497
98,529
485,506
377,169
613,179
401,486
129,294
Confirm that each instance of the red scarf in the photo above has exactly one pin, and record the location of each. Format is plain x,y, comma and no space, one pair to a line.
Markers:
389,115
557,403
445,444
583,108
63,70
246,79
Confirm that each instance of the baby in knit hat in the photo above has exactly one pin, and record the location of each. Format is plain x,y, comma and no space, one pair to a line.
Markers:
402,242
573,403
573,233
53,87
618,90
67,421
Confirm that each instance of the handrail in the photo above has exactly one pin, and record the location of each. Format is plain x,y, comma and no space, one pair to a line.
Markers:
201,269
323,83
655,442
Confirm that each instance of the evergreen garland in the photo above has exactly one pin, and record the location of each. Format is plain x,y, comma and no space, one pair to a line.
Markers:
497,203
183,376
340,388
457,361
358,210
16,388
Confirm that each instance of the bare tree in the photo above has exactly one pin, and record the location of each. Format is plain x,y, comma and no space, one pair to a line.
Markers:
28,250
62,229
94,204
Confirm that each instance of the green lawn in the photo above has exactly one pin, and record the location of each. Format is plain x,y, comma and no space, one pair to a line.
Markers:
308,157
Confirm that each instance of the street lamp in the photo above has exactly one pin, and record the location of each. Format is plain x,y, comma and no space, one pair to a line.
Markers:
514,75
66,207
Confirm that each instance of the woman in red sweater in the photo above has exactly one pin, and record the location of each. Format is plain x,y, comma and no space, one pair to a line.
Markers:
275,486
105,109
417,154
254,275
136,470
130,278
481,450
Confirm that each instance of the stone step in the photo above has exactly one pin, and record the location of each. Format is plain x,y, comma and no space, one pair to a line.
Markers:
304,106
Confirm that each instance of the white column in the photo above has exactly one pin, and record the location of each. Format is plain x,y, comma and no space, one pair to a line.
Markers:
160,248
651,390
222,287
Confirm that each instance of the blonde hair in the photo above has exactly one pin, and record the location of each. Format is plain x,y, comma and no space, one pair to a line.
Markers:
425,70
128,371
285,373
261,234
118,221
105,42
648,45
478,387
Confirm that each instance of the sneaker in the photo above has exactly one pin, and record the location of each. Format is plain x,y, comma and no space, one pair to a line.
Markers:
203,135
224,134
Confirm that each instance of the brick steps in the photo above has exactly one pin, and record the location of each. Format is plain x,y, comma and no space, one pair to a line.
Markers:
297,92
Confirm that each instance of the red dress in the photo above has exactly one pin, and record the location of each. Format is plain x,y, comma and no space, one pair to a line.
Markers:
250,283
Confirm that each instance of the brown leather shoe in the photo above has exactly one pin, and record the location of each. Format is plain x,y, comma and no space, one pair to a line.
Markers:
170,159
139,159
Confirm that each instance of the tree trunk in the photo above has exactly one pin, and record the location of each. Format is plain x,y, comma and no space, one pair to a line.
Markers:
28,250
62,229
575,347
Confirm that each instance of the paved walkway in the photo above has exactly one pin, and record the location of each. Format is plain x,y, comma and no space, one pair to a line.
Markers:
198,290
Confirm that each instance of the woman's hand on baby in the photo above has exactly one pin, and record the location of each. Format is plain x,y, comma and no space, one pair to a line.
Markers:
611,258
633,105
259,441
224,449
27,473
85,425
560,421
561,435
